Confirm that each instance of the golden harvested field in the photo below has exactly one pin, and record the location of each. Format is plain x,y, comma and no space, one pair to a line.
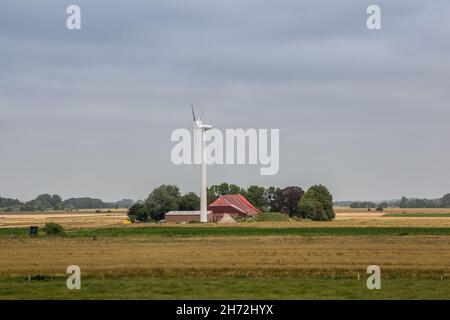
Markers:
313,255
345,217
69,220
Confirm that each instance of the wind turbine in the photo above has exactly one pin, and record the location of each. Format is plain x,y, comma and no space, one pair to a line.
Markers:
199,133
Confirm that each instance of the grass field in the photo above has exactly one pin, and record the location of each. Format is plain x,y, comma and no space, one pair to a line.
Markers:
254,260
170,231
188,287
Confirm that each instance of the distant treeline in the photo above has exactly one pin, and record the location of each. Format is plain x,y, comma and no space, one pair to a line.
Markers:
55,202
404,202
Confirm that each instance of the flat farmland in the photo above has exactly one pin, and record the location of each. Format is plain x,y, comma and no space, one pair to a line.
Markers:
253,260
345,217
69,220
269,267
268,255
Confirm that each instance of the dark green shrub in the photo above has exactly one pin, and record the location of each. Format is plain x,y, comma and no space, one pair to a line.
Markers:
39,277
54,229
139,212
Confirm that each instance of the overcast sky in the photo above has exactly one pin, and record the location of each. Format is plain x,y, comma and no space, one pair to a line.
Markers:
89,112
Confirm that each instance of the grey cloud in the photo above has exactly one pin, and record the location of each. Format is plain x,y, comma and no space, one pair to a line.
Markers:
91,112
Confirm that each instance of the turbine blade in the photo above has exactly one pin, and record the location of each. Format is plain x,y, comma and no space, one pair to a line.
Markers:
193,113
201,116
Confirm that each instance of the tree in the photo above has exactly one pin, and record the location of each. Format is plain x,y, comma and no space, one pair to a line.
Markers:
215,191
383,205
420,203
234,189
56,202
211,196
403,202
273,198
124,203
317,204
358,204
42,201
8,202
86,203
161,200
257,196
288,198
445,201
189,202
311,208
138,211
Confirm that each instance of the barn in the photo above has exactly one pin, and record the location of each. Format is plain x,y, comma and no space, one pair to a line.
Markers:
186,216
234,205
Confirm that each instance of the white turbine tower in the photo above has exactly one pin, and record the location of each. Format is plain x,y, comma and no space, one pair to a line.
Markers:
199,135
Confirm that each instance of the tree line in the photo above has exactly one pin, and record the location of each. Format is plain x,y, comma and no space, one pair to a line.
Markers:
405,202
315,204
55,202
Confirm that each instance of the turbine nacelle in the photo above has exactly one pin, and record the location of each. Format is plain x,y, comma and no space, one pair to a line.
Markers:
204,127
198,124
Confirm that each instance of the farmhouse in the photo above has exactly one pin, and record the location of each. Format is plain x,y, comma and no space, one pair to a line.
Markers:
234,205
227,205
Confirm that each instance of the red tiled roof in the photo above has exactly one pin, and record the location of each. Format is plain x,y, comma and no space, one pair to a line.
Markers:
237,201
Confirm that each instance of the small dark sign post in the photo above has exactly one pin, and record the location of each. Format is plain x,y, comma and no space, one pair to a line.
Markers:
33,231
